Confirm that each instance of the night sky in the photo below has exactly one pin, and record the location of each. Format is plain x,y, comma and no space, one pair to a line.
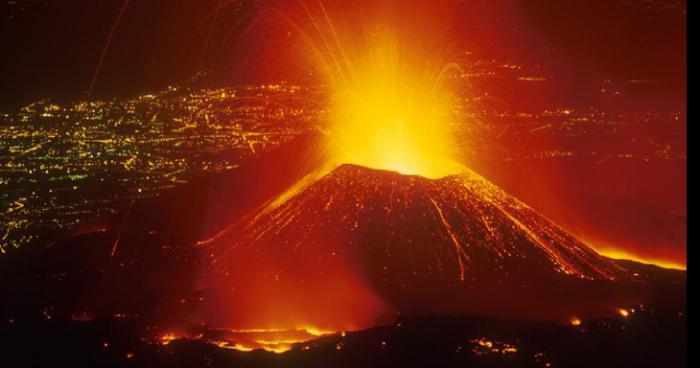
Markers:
50,48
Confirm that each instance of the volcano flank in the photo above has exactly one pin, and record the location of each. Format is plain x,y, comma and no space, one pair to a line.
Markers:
359,244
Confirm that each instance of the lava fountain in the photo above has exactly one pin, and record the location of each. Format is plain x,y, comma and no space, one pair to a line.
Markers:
391,101
391,70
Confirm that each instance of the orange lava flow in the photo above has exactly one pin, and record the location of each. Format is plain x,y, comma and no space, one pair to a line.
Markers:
275,341
271,340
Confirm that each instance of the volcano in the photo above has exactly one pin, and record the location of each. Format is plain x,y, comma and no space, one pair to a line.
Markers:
359,245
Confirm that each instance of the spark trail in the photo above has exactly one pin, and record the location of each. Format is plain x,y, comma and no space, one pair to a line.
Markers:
98,68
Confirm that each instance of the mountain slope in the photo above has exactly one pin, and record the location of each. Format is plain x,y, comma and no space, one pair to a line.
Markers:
413,245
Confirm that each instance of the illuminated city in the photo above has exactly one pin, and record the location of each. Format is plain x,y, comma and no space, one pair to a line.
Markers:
353,183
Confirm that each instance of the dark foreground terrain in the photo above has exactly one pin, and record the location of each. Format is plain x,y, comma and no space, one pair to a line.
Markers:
645,339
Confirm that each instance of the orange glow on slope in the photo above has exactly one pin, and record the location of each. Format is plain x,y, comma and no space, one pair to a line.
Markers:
390,104
625,255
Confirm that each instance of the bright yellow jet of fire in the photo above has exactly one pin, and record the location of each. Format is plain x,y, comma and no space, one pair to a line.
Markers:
390,106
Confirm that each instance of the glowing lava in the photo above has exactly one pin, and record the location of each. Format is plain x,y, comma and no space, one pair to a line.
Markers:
387,116
271,340
391,103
